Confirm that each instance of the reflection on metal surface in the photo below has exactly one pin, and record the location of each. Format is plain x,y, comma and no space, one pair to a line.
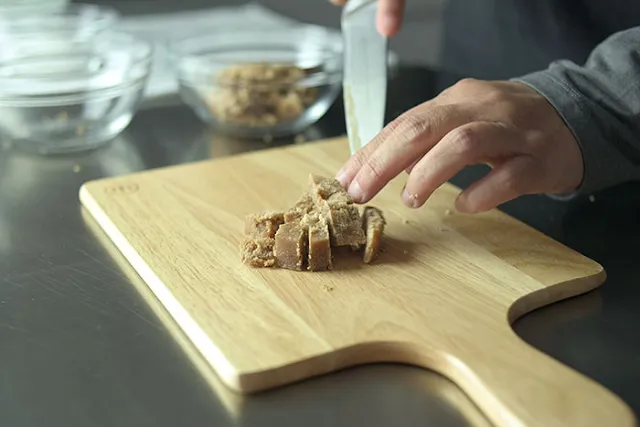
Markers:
221,145
578,308
5,234
75,331
441,398
27,172
35,191
228,398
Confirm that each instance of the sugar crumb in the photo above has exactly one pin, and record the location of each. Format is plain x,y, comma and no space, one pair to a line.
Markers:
77,168
448,212
327,288
62,116
592,198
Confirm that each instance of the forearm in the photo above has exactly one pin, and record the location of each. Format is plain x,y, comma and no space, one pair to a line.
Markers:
600,103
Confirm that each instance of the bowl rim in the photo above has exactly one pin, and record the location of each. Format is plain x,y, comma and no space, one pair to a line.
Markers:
143,57
70,16
30,4
330,43
254,29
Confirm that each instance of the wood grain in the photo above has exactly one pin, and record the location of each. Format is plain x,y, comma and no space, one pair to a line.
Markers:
240,407
442,296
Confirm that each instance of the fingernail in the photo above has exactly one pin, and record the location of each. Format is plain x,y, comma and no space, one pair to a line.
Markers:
410,200
355,191
342,177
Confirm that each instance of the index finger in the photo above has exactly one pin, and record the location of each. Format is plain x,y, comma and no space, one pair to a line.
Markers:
401,143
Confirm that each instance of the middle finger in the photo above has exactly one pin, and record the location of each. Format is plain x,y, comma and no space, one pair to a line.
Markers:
466,145
409,138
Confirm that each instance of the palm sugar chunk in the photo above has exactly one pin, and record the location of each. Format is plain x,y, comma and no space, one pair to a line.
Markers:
328,190
291,246
345,224
263,224
319,242
373,223
304,237
331,199
258,252
303,206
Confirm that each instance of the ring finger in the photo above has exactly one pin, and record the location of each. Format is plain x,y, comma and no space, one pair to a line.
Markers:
472,143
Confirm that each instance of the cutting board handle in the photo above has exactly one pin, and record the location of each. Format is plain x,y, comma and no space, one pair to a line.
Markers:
517,385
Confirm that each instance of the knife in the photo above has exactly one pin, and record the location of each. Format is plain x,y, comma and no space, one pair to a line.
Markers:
365,72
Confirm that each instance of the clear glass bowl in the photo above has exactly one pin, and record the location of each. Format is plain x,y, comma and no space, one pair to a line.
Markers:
61,95
260,83
22,8
73,21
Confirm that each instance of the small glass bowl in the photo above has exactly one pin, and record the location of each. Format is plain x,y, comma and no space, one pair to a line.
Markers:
65,95
260,83
22,8
75,20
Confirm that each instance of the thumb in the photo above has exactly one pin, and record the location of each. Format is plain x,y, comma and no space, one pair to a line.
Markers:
390,16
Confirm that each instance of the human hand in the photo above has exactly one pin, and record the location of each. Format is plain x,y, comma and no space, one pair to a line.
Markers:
506,125
390,14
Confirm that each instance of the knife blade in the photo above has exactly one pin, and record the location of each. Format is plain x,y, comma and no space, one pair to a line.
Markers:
365,72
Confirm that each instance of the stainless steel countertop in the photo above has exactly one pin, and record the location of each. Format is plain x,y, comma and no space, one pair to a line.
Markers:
83,344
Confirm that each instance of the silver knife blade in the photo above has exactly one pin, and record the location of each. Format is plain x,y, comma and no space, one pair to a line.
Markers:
365,72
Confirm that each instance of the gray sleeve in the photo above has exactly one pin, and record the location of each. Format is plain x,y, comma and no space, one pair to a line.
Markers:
600,103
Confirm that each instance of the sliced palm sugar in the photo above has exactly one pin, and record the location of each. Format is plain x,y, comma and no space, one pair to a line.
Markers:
303,206
342,216
345,225
263,224
258,252
291,246
373,223
319,242
305,236
329,190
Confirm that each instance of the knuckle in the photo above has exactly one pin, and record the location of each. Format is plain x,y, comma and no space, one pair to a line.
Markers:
357,161
486,91
356,164
411,127
372,171
460,90
495,96
512,183
466,84
465,139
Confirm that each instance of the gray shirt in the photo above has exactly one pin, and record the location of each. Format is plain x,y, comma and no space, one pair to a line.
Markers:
583,56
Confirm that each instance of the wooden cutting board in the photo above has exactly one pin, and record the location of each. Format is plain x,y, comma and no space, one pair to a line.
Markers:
441,296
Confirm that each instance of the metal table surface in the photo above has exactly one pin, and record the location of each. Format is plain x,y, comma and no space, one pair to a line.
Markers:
83,344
